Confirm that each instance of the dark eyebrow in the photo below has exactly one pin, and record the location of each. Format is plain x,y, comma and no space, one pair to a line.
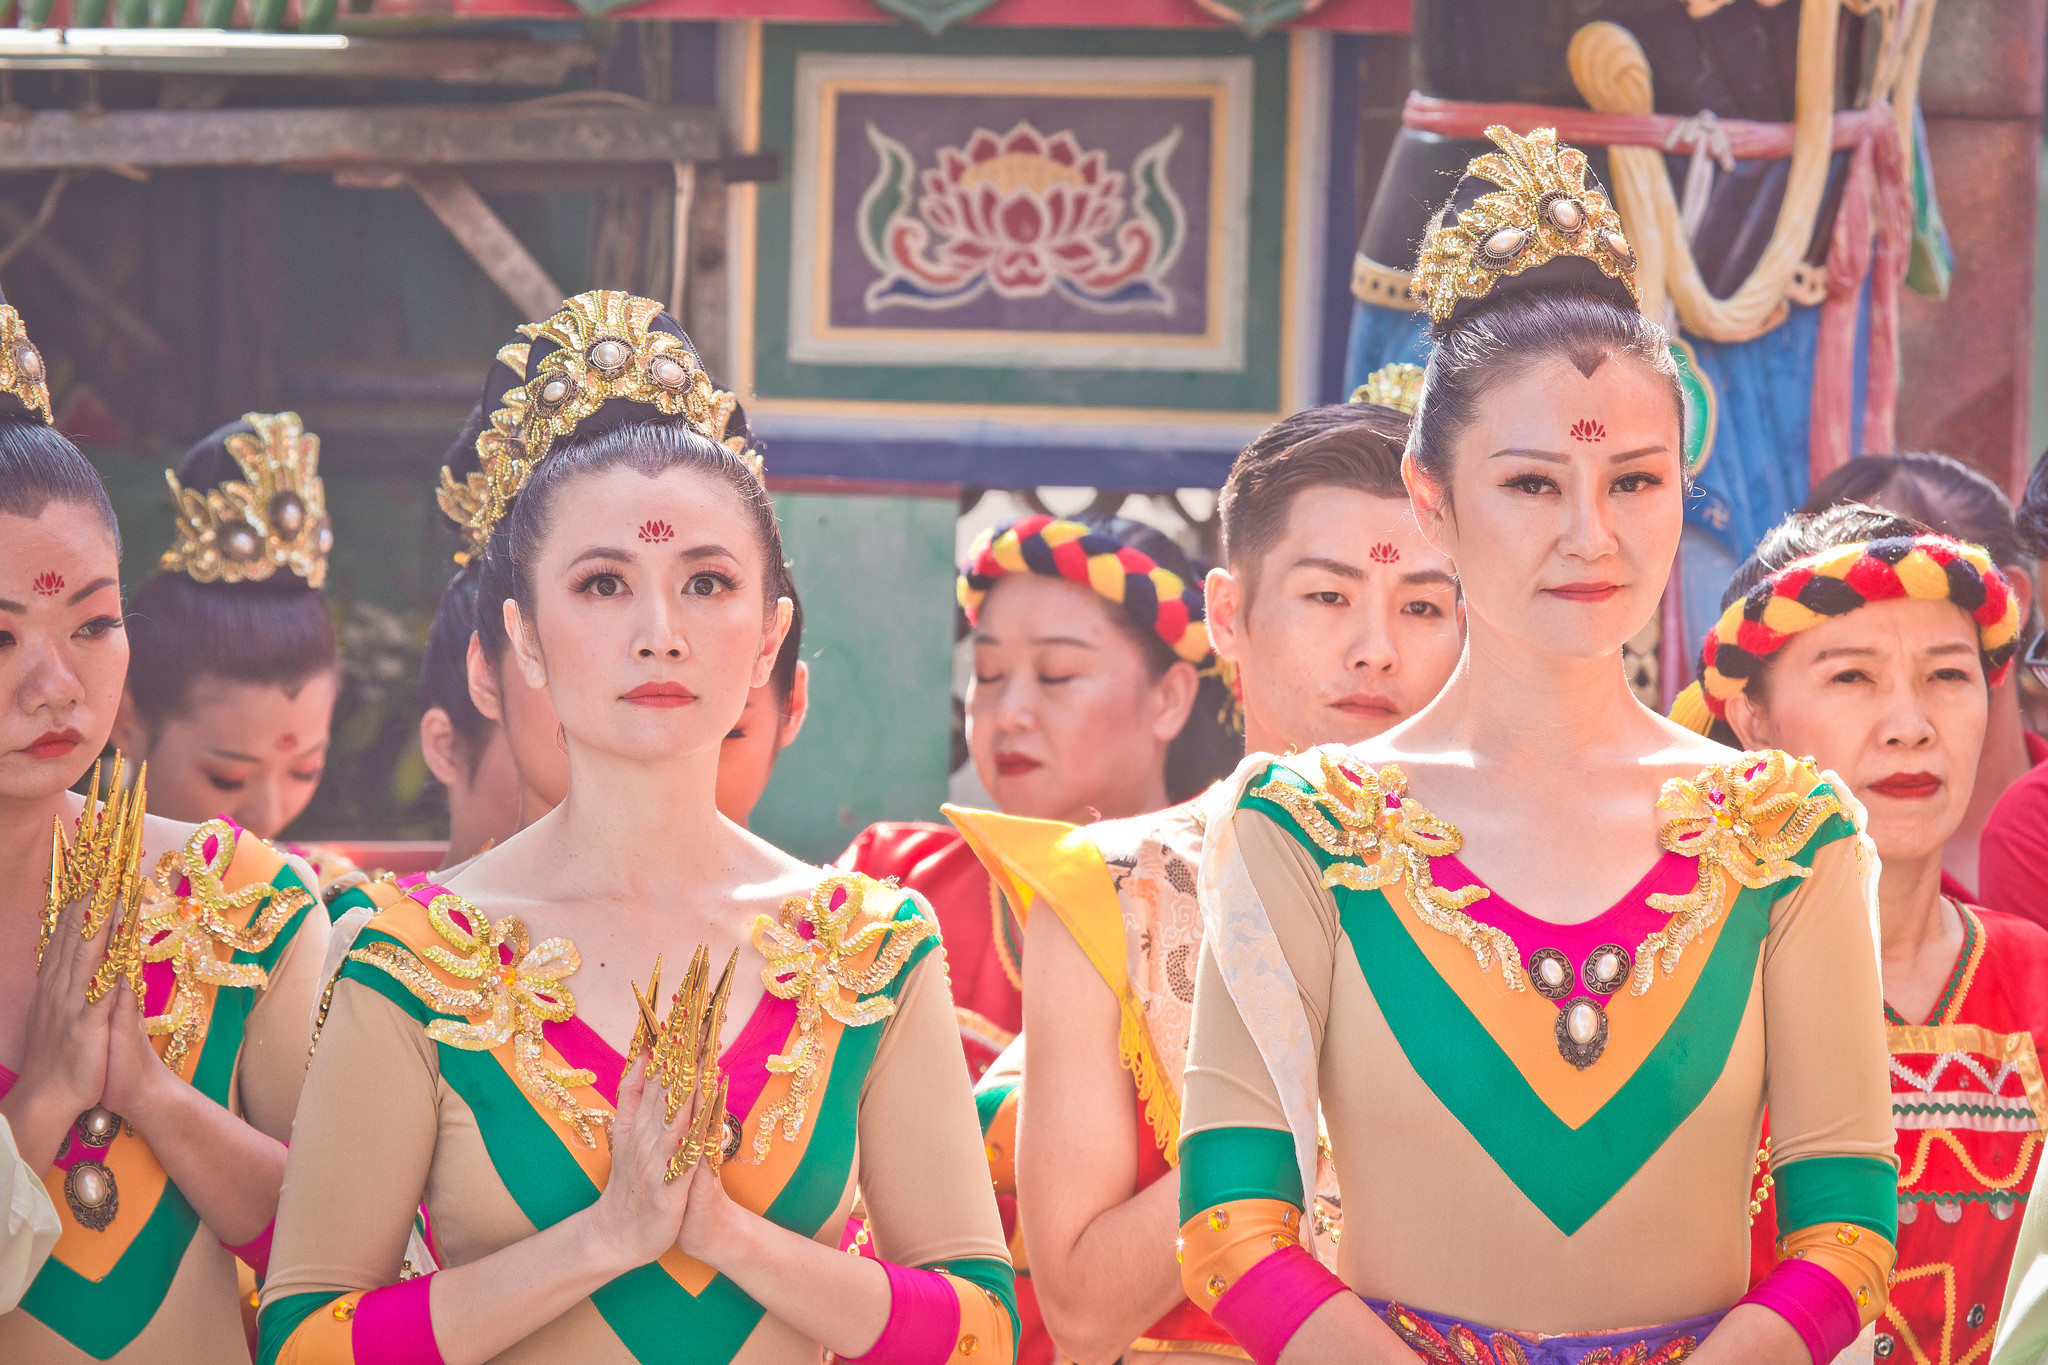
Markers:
601,552
1331,566
6,605
984,638
239,757
1552,457
707,552
1430,576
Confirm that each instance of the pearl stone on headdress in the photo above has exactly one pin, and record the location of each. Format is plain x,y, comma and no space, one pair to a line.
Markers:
555,392
1504,244
1565,215
288,514
668,372
610,355
240,542
29,361
1617,246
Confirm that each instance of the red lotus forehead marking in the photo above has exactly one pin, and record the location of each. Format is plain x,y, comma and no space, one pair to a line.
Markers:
286,743
49,584
655,532
1587,429
1386,553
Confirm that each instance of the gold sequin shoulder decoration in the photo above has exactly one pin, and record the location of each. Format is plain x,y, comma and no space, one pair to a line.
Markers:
1543,209
22,372
814,948
1743,821
199,932
274,517
1383,838
478,502
517,989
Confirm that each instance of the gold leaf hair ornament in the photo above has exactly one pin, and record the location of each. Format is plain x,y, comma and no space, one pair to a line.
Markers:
274,517
518,989
1743,821
23,375
475,502
1517,210
592,366
1397,386
1382,838
811,948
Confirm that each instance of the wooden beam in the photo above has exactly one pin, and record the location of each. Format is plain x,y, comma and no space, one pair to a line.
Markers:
87,285
454,61
326,139
489,242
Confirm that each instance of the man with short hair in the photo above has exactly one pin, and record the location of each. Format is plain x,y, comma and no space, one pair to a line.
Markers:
1340,621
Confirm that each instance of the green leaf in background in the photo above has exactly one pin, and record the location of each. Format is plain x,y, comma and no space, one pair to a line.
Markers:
266,15
34,12
316,16
89,13
216,13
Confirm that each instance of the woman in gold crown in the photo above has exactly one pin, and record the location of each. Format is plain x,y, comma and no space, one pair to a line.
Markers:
610,1174
161,1124
1538,956
235,669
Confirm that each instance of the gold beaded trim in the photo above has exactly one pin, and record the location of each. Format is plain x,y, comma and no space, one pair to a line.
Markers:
22,371
818,972
1721,818
478,503
509,1003
1382,838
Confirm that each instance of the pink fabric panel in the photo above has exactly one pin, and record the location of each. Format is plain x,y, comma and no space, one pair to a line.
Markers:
395,1326
1270,1302
924,1321
256,1253
1817,1305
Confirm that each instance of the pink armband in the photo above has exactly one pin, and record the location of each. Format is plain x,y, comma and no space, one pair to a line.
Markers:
1816,1303
1269,1302
924,1320
255,1253
394,1326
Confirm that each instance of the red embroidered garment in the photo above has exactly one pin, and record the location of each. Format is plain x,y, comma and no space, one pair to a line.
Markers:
1970,1106
984,944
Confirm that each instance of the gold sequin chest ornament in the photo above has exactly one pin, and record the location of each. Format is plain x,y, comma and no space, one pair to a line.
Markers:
273,518
602,346
196,932
1741,822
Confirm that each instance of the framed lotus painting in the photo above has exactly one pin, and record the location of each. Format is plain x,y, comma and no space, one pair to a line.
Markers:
1032,239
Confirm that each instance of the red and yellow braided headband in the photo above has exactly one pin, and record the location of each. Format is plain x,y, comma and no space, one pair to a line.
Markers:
1808,591
1156,598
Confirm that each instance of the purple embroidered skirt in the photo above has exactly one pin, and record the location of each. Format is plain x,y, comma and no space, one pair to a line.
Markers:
1443,1340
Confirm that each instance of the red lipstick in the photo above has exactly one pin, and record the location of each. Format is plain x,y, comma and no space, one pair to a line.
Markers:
1584,592
55,744
1908,786
661,695
1016,765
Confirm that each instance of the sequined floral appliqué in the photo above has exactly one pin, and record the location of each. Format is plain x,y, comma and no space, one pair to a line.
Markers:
1742,822
198,932
518,989
813,947
1382,838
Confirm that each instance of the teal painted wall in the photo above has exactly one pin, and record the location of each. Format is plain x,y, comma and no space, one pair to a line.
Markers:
876,575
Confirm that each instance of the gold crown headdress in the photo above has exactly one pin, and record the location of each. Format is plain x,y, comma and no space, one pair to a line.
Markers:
606,348
22,372
481,499
1545,207
248,529
1397,386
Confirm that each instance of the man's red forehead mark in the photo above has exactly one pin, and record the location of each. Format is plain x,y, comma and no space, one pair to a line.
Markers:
655,532
287,743
1586,429
49,584
1385,553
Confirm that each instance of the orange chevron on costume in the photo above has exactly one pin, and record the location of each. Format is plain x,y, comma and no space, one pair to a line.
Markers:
1155,596
1817,588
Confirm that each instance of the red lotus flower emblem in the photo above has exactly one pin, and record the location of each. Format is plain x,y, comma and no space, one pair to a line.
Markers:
655,532
1025,215
49,584
1385,553
1586,429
